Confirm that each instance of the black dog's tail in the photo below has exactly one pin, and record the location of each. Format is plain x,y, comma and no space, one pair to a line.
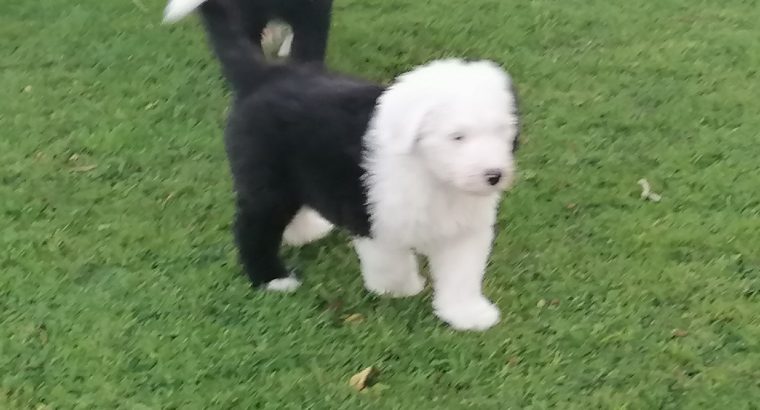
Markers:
243,64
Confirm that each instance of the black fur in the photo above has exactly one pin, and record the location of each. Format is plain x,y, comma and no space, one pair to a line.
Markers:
309,19
516,141
294,138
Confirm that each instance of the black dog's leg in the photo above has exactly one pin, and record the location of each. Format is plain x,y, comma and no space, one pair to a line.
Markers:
254,28
258,233
310,32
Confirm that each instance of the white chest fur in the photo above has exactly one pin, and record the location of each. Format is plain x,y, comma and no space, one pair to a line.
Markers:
411,209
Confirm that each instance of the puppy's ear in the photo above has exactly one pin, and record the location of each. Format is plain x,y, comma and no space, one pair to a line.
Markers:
409,130
400,124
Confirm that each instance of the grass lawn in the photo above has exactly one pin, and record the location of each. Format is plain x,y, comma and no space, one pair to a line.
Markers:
119,286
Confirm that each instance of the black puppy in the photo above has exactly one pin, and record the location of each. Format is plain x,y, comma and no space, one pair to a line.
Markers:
309,20
273,165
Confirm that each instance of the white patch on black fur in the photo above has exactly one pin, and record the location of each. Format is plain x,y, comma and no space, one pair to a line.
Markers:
307,226
277,39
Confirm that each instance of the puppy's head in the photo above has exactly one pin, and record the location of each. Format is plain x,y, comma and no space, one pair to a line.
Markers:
459,119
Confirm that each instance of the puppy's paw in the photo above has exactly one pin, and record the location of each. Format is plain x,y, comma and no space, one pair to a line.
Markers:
285,285
477,314
412,285
307,226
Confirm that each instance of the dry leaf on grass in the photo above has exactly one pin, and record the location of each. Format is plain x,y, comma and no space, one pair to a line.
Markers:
354,318
543,303
362,380
646,192
680,333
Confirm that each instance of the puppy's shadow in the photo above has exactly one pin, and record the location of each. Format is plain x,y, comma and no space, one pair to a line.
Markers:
331,272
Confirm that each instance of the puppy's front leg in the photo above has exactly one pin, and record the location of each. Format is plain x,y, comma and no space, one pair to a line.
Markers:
388,269
310,31
457,267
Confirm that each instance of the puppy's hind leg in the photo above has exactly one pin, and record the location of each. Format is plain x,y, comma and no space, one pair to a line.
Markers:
388,270
311,27
307,226
258,232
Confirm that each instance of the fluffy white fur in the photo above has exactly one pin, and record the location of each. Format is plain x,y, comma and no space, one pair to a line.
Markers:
177,9
306,226
437,132
284,285
388,269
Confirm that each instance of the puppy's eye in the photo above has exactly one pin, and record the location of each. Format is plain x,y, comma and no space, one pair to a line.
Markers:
457,137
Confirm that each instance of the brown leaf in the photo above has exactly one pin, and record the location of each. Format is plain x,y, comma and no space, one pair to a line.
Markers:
513,361
680,333
554,302
354,318
362,380
570,206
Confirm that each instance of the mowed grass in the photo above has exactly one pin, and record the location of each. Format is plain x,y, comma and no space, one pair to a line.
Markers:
119,286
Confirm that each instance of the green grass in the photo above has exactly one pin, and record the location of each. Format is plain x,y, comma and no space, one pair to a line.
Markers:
119,286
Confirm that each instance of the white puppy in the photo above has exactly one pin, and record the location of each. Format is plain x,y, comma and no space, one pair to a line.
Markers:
434,178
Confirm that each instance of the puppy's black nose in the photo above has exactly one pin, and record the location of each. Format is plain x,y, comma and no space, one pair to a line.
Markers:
493,176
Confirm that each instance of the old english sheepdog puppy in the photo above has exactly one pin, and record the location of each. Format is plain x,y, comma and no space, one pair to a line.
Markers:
416,167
